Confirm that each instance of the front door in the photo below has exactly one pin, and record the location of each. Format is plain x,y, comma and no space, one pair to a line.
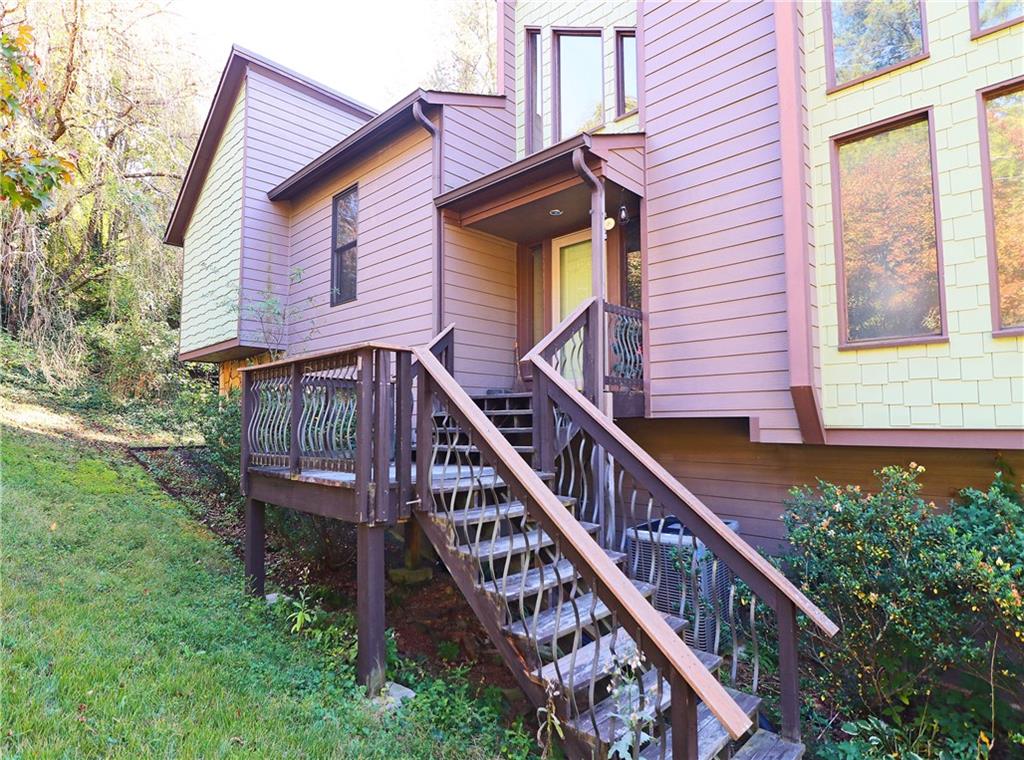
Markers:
571,270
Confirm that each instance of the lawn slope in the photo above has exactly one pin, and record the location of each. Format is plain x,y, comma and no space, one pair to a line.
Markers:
125,633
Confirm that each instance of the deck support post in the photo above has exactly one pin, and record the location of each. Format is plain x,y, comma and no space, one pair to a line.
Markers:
255,541
371,658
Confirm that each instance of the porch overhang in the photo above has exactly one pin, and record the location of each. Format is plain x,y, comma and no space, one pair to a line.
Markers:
533,188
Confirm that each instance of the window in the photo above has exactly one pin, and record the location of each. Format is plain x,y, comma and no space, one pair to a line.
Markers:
625,72
1002,120
989,16
865,38
344,228
579,106
886,224
534,93
632,261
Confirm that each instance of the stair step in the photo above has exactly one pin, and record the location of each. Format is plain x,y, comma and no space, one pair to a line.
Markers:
583,668
493,413
445,479
711,735
478,397
491,512
505,430
501,546
529,583
555,622
464,448
764,745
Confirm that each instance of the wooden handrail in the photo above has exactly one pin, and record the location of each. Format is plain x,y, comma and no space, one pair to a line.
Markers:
330,352
559,331
625,448
641,621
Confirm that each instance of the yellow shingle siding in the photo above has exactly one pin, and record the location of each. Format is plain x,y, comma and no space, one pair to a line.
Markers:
975,381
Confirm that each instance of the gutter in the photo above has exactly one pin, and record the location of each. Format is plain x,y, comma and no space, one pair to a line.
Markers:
438,172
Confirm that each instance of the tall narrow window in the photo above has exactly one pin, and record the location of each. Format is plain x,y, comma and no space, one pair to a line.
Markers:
632,261
625,72
537,275
579,82
992,15
534,93
1003,163
344,228
865,38
886,234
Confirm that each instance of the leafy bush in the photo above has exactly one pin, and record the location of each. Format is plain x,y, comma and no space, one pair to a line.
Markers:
135,358
219,419
922,598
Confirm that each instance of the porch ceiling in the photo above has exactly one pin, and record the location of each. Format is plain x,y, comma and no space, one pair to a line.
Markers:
531,221
515,201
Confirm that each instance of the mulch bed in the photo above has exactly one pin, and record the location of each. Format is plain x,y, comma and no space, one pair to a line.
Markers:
426,618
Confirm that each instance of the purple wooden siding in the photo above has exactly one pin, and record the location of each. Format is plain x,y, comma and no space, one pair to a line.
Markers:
749,481
395,252
477,141
286,128
628,170
716,271
480,298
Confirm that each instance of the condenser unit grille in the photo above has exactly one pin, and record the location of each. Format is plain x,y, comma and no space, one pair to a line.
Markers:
662,554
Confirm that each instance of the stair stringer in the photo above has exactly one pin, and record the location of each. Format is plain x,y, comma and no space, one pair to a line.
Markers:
463,571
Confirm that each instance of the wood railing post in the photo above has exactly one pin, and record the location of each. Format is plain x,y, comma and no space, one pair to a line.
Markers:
683,713
789,673
403,431
247,412
382,438
543,423
294,450
364,435
424,442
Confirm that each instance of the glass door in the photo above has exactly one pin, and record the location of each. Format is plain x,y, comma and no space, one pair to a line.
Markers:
572,275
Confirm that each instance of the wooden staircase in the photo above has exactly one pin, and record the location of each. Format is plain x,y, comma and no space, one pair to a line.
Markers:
633,640
556,632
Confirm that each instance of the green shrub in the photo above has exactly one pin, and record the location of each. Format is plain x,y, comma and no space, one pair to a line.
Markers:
135,358
219,419
923,599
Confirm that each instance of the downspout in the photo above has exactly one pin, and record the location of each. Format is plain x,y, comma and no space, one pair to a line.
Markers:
435,136
599,263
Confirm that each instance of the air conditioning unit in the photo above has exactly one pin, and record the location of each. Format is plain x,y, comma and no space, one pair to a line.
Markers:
664,552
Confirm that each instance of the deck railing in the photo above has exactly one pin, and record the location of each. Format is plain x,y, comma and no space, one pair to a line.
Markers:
571,349
342,411
584,582
621,488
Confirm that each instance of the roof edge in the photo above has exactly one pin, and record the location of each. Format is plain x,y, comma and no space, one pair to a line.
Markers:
320,166
230,81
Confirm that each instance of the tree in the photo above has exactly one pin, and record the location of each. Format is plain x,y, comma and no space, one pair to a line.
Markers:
28,174
470,62
120,99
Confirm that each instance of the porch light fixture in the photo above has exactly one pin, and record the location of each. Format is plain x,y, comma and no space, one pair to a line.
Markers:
623,214
609,223
555,212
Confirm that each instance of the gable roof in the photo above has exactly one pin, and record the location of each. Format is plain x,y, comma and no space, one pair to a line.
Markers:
231,78
373,132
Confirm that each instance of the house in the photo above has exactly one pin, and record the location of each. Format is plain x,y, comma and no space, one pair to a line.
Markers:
810,263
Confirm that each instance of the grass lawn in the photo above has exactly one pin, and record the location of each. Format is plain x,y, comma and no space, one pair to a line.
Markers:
125,633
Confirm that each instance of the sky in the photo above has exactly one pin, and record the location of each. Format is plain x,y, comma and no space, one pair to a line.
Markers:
375,52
